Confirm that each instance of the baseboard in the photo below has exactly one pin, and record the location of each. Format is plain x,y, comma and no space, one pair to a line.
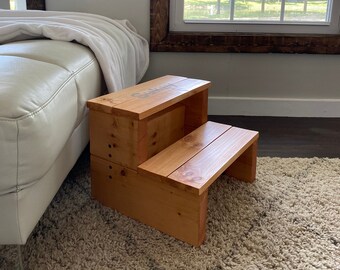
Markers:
274,107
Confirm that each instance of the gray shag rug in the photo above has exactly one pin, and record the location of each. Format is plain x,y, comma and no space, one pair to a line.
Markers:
288,219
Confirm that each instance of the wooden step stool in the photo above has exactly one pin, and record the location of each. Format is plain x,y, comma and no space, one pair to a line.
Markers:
154,155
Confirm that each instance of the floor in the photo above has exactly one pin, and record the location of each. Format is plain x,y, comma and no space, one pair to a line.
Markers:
290,136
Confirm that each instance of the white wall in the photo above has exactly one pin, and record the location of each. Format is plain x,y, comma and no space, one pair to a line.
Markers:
4,4
243,84
136,11
19,4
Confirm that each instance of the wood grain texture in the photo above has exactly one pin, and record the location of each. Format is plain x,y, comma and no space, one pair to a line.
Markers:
162,40
173,157
106,103
144,100
129,142
165,129
117,139
196,113
132,125
36,4
203,169
159,22
174,212
155,99
244,167
144,166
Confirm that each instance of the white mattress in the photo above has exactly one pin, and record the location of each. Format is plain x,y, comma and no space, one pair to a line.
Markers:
43,90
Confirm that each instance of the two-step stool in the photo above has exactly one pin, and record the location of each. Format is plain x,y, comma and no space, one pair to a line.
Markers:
154,155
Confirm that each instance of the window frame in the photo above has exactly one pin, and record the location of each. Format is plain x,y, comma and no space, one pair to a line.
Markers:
164,40
329,26
36,4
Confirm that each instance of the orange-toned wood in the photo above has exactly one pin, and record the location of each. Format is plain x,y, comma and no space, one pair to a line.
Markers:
202,216
142,151
158,204
201,171
196,111
116,138
165,129
129,142
154,155
143,101
173,157
106,103
244,168
158,98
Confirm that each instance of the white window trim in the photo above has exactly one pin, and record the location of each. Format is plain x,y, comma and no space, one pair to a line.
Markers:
177,24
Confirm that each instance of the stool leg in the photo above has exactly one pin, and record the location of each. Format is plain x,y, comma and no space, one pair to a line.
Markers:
203,209
244,168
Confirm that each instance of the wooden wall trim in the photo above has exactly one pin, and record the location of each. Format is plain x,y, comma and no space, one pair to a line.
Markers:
162,40
36,4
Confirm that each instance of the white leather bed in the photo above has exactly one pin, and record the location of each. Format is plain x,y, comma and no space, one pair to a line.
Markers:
43,126
44,86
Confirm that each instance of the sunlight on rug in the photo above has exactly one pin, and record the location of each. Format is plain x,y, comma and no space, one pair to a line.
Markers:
288,219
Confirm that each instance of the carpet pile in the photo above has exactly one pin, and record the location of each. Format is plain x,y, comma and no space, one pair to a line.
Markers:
288,219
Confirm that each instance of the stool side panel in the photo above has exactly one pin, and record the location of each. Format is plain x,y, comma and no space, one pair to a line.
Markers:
114,138
154,203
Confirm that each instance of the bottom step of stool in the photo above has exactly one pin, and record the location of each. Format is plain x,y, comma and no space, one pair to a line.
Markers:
194,162
154,203
170,191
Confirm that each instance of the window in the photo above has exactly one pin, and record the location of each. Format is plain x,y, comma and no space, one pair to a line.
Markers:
17,4
12,4
35,4
261,16
164,39
257,10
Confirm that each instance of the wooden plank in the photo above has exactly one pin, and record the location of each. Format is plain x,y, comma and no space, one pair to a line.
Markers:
202,170
158,204
130,142
196,112
167,161
152,100
202,216
244,168
165,129
144,99
142,152
115,138
106,103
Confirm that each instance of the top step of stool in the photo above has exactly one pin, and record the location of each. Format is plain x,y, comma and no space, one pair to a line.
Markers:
194,162
145,99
